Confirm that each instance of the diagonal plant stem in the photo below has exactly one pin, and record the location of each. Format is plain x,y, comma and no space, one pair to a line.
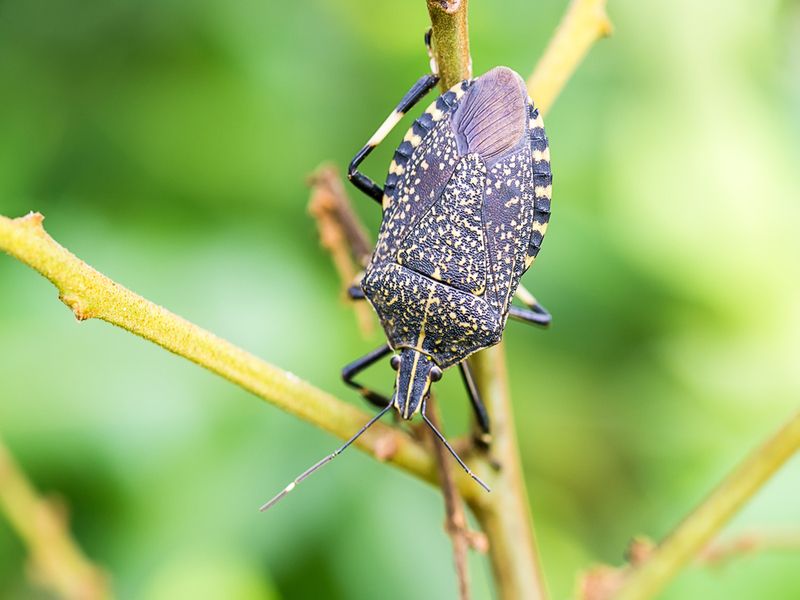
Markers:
721,552
671,555
583,24
58,563
91,294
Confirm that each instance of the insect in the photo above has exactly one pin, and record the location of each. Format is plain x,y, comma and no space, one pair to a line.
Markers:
466,204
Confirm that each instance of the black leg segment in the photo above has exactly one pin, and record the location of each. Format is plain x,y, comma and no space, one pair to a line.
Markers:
355,367
354,292
537,315
533,312
475,399
361,181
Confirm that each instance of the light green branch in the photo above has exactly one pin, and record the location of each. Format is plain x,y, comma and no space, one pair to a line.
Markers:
91,294
450,40
583,24
696,531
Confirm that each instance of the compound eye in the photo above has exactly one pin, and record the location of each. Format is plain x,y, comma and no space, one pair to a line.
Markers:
436,374
395,362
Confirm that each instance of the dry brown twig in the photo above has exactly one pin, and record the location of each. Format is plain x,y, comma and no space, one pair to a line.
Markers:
720,552
456,524
341,234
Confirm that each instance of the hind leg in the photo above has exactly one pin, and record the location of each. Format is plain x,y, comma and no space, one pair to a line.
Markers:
533,312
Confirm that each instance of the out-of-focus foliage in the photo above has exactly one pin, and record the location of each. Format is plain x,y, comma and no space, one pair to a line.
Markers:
167,143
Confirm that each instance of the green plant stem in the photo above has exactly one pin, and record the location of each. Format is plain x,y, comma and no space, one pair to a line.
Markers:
450,40
505,515
58,562
91,294
691,536
582,25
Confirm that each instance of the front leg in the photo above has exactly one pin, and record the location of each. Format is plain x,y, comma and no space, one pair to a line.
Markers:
361,181
355,367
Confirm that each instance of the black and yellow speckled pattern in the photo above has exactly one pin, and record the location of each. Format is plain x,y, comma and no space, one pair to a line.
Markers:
466,205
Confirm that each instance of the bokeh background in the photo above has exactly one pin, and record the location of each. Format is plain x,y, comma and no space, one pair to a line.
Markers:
167,144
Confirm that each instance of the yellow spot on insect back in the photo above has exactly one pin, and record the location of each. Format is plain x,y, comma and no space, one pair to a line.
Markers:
540,155
412,137
435,113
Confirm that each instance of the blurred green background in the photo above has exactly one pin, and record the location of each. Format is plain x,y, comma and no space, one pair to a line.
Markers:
167,144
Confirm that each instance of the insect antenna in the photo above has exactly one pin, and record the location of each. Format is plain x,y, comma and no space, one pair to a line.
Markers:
305,474
453,452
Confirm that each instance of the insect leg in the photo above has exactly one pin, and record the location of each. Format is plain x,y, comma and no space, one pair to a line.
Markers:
533,312
361,181
355,367
354,292
475,398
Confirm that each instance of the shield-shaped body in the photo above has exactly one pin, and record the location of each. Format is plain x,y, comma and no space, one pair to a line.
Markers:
466,204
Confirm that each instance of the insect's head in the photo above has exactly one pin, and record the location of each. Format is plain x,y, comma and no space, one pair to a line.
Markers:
415,373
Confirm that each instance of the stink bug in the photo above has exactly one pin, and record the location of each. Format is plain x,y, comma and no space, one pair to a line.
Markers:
465,207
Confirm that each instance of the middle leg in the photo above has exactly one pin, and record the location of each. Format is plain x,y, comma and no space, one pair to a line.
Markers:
355,367
533,312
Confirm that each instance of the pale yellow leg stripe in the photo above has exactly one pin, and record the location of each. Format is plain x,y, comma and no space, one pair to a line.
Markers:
524,295
392,120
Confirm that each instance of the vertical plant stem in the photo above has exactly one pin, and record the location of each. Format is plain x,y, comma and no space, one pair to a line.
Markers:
450,40
689,538
504,514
